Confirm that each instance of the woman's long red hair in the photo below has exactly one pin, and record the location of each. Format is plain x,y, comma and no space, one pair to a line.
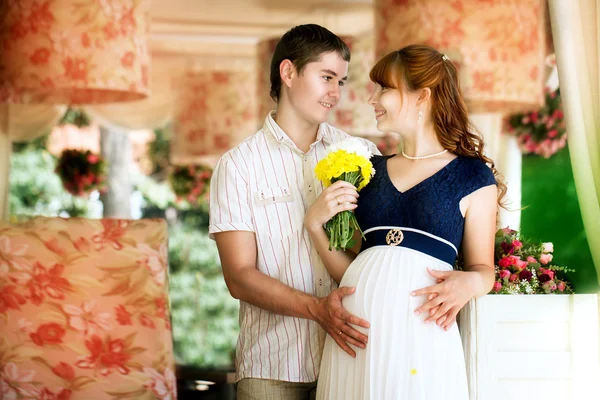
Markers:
416,67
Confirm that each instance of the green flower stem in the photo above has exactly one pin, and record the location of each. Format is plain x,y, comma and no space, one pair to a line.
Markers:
340,229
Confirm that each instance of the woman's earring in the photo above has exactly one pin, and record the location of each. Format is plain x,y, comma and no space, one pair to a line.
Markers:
420,119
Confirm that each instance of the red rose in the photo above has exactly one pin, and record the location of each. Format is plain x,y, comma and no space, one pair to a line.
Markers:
504,262
525,275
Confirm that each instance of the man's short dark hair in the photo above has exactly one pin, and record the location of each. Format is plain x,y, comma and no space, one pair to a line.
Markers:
301,45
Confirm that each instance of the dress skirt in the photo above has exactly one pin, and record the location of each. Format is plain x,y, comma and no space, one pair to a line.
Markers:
405,358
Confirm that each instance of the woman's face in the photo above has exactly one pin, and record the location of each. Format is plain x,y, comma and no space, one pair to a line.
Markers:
395,111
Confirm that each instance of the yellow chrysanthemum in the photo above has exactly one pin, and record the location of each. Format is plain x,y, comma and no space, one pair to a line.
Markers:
341,162
348,160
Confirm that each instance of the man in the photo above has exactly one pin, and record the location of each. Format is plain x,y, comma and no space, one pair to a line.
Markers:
259,193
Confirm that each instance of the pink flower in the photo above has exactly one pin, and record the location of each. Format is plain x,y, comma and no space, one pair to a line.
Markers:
545,258
517,244
7,392
85,320
561,286
504,273
513,278
553,133
11,374
497,286
548,247
11,256
521,264
155,261
508,231
25,326
531,260
93,159
549,287
163,385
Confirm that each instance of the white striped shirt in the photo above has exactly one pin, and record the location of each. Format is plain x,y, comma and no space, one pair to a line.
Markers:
265,185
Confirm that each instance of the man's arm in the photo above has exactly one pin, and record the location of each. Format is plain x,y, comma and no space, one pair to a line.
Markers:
238,253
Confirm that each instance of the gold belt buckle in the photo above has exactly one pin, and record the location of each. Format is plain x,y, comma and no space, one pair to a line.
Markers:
394,237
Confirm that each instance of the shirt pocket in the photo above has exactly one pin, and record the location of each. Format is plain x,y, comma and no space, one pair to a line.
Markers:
277,211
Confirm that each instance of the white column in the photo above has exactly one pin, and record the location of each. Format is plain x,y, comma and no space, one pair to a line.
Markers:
504,151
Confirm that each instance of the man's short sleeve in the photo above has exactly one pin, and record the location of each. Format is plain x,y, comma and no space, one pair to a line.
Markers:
229,199
373,147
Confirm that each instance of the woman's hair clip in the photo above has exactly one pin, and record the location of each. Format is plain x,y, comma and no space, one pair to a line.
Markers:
445,57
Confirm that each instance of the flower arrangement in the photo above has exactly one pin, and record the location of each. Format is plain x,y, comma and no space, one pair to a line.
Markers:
541,132
191,183
348,160
81,172
525,268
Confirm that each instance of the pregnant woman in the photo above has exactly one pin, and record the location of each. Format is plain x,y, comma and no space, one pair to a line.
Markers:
437,198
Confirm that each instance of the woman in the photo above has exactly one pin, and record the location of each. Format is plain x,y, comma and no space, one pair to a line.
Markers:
423,205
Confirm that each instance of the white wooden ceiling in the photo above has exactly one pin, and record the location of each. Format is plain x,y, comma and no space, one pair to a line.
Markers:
227,31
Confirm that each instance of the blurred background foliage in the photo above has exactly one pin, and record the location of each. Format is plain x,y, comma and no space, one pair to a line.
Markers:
552,214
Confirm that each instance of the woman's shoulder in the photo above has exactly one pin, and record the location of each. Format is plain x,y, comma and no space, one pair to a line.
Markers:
475,172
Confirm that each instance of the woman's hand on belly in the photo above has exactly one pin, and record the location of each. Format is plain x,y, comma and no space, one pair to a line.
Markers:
447,297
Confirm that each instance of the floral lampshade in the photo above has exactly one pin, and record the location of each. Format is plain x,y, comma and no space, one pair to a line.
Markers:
214,111
84,310
73,52
498,46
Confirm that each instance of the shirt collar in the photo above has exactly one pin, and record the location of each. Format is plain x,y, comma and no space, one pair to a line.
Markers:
274,130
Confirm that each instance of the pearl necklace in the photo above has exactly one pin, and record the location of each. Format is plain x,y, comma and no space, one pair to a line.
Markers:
423,157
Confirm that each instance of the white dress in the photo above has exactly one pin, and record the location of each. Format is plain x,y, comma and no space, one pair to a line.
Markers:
404,358
406,232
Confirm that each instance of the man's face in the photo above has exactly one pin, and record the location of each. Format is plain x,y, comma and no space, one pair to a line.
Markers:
316,90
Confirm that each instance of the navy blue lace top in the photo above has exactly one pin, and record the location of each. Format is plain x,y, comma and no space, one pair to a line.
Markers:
431,205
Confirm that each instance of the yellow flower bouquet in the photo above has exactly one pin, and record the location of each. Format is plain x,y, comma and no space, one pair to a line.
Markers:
348,160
